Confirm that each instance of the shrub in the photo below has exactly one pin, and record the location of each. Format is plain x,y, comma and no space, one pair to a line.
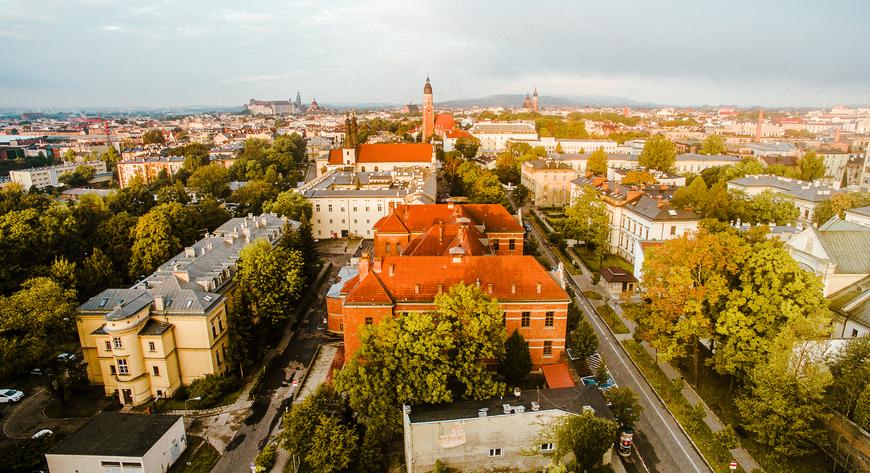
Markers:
266,458
695,416
211,388
596,277
593,294
727,437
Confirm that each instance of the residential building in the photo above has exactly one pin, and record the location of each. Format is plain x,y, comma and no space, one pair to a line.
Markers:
835,167
686,162
695,163
346,203
116,442
860,215
838,252
805,195
769,150
569,146
378,157
170,328
432,230
494,136
548,182
495,435
48,175
148,169
675,180
533,301
851,309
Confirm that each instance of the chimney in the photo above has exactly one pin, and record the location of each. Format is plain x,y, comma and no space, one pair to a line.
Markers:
376,265
450,205
392,269
158,303
440,288
538,288
513,288
478,283
758,125
489,288
417,288
364,265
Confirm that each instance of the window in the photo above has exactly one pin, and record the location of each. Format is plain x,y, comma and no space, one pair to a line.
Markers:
155,370
108,345
526,320
511,244
673,229
368,320
504,319
398,249
220,324
548,348
317,207
329,208
188,304
122,367
218,357
213,330
354,208
495,452
548,320
854,332
116,342
112,370
387,248
152,346
547,447
380,207
495,245
104,301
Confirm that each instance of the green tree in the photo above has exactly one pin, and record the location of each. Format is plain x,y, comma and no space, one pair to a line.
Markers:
153,136
624,405
210,214
767,207
582,340
692,197
713,144
586,219
587,436
134,199
638,177
851,377
300,423
516,363
153,243
838,205
467,146
211,180
173,193
97,274
252,196
290,204
273,280
658,153
597,163
78,177
335,447
811,166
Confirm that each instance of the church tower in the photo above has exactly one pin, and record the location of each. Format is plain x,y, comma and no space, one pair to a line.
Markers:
428,112
535,101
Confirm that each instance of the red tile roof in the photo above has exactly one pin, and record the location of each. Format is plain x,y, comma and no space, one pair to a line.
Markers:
335,156
419,218
459,133
387,153
391,224
444,121
438,240
558,376
416,279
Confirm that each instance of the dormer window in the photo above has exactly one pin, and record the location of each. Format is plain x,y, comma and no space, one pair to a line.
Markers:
188,304
104,301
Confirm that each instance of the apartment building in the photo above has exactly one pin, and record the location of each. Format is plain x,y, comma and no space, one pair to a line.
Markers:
548,182
805,195
494,136
378,157
46,176
148,169
146,341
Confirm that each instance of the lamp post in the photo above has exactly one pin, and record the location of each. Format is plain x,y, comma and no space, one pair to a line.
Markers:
197,398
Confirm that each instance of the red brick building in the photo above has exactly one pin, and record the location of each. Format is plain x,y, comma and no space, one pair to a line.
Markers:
431,230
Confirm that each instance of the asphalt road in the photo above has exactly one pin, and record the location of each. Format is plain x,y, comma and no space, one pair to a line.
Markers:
661,445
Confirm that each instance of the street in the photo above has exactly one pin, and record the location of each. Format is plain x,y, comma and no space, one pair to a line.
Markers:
660,443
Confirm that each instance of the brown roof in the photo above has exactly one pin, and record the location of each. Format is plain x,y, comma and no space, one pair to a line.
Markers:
558,376
614,274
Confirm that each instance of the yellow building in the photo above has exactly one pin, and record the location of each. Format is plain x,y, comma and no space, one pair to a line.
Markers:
548,182
171,328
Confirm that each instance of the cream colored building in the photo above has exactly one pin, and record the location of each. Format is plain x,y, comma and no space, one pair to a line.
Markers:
147,169
48,175
548,182
145,342
494,136
806,196
838,252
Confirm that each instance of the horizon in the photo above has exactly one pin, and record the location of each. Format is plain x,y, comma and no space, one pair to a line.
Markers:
679,54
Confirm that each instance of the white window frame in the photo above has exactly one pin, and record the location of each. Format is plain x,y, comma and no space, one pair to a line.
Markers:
548,447
123,368
496,452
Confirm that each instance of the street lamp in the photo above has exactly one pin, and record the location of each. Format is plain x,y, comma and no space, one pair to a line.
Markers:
197,398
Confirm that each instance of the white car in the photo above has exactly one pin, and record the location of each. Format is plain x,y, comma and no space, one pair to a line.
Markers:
42,433
10,395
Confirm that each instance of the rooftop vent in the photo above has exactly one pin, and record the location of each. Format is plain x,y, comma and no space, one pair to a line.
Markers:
588,410
506,408
482,412
536,406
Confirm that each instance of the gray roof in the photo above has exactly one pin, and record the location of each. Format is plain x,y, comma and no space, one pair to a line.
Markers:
707,157
649,208
863,211
345,274
809,191
548,164
112,434
853,301
486,127
849,249
566,399
837,224
154,327
398,183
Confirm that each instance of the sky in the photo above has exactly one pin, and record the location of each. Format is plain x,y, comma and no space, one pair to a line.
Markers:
113,53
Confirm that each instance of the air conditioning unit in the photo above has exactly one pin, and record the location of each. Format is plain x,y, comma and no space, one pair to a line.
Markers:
588,410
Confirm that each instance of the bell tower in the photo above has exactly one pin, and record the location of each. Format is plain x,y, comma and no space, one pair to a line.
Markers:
428,112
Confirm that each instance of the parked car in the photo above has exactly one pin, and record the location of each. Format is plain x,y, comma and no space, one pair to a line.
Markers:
10,395
37,372
42,433
68,357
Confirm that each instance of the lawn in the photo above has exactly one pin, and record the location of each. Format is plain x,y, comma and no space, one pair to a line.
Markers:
199,457
591,260
686,414
177,403
612,319
593,295
714,392
83,403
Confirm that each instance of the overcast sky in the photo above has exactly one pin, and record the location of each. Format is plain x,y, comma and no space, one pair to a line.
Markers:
66,53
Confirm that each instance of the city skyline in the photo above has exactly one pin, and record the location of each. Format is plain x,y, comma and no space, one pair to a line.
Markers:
97,53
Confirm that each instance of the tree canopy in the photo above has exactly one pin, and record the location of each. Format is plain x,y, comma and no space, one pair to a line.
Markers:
597,163
658,153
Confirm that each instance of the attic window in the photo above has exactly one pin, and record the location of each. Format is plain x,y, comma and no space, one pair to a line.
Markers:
189,303
206,298
672,212
104,301
168,303
120,301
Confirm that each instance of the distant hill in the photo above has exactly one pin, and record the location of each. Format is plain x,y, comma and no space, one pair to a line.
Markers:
516,100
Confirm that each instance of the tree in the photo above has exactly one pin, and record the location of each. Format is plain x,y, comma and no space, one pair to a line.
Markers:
335,446
173,193
597,163
290,204
587,436
692,197
686,280
153,243
252,196
638,177
211,180
97,274
302,240
559,149
210,214
624,405
153,136
582,340
851,377
78,177
811,166
516,363
467,146
658,153
713,144
838,205
272,279
767,207
586,219
785,403
135,199
300,423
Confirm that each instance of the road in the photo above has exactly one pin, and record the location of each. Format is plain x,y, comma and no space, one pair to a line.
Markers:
661,444
268,407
